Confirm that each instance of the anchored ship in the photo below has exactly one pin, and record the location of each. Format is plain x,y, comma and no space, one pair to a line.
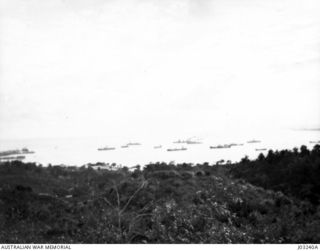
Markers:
261,149
106,148
253,141
220,146
134,144
177,149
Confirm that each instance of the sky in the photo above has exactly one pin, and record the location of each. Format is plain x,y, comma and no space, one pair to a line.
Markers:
73,68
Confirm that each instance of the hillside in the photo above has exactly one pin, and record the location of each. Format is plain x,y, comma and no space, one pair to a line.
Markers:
274,199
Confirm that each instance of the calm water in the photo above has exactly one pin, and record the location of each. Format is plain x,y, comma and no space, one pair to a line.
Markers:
79,151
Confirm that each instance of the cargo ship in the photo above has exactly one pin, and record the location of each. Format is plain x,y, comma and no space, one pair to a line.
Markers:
177,149
106,148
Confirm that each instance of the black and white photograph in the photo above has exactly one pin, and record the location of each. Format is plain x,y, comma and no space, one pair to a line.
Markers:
159,122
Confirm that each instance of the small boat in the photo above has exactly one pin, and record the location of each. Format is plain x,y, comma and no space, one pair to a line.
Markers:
177,149
157,147
106,148
253,141
261,149
124,146
314,142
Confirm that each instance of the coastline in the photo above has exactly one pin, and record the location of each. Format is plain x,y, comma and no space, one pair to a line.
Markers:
272,199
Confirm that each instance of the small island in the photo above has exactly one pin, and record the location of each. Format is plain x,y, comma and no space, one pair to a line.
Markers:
17,154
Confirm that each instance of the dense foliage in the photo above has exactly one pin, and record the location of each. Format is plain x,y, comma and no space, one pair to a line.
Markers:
164,203
295,173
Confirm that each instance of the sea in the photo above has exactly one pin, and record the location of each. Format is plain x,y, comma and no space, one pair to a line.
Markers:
78,151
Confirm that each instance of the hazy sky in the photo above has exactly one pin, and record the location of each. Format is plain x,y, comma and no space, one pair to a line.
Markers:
155,67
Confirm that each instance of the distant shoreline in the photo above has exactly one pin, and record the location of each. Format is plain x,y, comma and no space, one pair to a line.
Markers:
114,165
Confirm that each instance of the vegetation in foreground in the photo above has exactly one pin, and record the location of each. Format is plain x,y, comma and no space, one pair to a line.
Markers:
274,199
